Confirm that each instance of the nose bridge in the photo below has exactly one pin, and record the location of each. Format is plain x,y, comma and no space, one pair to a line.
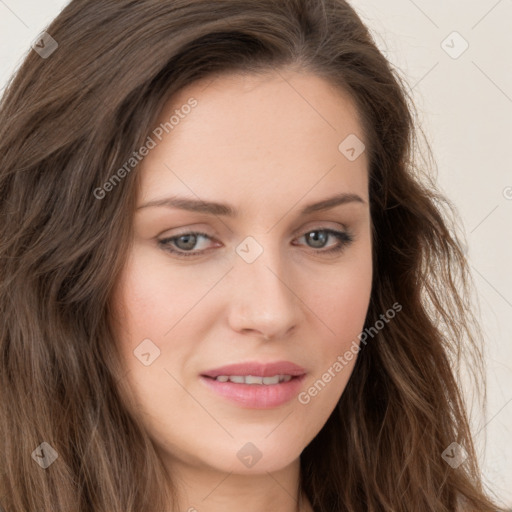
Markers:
264,300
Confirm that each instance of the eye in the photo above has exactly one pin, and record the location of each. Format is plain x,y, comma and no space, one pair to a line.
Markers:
184,242
317,237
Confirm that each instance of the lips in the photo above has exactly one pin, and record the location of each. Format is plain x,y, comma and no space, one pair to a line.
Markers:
257,369
251,393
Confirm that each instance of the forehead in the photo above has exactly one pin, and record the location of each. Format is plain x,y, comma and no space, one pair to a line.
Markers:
267,136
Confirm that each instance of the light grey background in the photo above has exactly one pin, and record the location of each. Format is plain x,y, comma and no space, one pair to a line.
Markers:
465,102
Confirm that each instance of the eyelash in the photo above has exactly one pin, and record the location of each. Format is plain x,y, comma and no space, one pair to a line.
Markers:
345,238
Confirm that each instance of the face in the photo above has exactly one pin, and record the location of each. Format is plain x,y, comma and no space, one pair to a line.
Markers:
267,281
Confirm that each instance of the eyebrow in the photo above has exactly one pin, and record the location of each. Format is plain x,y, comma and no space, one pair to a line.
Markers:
213,208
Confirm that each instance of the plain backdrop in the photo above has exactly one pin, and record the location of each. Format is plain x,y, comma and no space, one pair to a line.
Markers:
456,57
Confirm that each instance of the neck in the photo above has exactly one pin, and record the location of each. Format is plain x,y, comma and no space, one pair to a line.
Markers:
200,488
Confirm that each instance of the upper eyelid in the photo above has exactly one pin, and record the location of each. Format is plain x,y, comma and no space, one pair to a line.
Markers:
339,226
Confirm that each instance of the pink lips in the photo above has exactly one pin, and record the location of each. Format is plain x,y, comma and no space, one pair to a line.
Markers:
257,396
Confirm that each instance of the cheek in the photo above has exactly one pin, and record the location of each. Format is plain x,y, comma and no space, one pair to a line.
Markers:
340,302
141,306
152,295
146,302
340,297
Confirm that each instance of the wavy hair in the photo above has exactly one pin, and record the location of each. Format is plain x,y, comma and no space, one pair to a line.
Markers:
70,120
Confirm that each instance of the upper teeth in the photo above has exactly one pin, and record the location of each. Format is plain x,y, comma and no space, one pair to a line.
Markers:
251,379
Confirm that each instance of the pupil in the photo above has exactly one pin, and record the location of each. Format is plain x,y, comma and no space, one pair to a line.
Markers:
190,238
315,235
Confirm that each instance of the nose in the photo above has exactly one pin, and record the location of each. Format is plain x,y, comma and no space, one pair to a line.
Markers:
264,299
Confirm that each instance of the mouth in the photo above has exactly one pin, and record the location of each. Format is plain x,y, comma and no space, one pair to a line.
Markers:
255,391
253,379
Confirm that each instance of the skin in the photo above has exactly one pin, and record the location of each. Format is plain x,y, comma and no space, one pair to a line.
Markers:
267,145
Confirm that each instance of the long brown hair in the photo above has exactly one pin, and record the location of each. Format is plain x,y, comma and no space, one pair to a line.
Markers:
70,120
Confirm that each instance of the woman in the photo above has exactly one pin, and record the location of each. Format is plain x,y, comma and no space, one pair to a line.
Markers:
224,283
